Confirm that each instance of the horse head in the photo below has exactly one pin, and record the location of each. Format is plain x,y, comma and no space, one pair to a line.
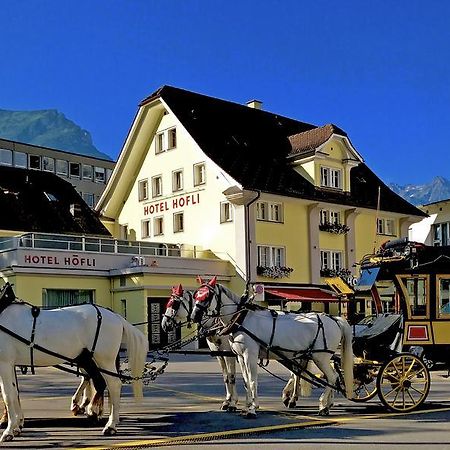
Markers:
177,309
203,297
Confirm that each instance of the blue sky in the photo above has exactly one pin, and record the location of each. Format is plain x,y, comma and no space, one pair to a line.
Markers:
379,70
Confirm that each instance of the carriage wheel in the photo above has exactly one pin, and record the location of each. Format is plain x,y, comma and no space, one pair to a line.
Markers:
403,383
365,388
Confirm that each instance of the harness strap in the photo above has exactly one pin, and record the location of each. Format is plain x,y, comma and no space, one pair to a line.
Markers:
269,346
97,331
35,311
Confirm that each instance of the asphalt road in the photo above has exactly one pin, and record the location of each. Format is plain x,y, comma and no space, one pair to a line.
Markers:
181,409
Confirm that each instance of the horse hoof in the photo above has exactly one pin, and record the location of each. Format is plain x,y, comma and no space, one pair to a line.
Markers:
292,404
7,438
92,418
250,415
109,432
17,432
324,412
232,409
224,407
286,401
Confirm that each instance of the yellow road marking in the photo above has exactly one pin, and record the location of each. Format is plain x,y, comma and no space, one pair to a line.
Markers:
255,430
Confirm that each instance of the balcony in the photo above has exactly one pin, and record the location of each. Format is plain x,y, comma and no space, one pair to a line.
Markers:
335,228
274,271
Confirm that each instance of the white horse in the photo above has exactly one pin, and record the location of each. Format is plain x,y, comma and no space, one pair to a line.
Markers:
314,336
87,335
178,309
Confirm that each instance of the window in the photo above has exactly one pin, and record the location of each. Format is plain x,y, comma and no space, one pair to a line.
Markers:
158,226
172,135
123,307
88,172
329,216
62,167
226,212
331,260
157,186
330,178
159,143
143,190
441,234
386,226
6,157
20,159
269,256
74,170
177,180
444,296
199,174
178,222
270,211
35,162
57,298
48,164
88,197
145,228
99,174
416,289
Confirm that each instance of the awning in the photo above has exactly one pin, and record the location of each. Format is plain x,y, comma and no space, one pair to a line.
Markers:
303,295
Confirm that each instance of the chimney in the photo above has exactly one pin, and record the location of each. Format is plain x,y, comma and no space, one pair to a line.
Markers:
255,104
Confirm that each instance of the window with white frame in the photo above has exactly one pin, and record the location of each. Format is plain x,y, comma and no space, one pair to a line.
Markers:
99,174
157,186
386,226
20,159
441,234
62,167
6,157
178,222
143,190
34,162
88,172
270,256
199,174
226,212
330,259
329,216
145,228
166,140
330,178
172,138
269,211
158,226
177,180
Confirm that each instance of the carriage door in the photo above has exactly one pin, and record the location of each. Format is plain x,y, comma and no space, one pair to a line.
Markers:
156,336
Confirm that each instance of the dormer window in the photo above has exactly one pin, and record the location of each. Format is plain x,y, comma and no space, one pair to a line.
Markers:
330,178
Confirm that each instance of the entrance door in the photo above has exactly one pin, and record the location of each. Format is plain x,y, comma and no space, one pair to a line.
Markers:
157,338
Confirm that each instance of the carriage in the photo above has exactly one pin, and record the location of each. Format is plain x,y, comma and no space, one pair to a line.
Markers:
394,356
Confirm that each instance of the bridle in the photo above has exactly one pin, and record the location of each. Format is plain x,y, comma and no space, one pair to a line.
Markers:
175,302
203,297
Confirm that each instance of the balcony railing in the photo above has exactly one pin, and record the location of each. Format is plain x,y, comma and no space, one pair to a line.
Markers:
88,244
343,273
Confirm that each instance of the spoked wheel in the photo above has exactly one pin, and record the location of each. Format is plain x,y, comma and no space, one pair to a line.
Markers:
365,384
403,383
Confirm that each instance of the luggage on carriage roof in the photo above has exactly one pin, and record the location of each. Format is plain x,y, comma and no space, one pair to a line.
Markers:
375,341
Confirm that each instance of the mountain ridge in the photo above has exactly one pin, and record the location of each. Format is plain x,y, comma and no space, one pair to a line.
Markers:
48,128
422,194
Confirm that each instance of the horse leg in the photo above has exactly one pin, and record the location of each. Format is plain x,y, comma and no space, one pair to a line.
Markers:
12,404
95,411
114,387
251,362
223,366
246,383
288,391
4,418
74,405
231,383
326,399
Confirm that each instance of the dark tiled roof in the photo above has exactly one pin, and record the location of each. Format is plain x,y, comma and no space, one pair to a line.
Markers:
35,201
252,146
308,141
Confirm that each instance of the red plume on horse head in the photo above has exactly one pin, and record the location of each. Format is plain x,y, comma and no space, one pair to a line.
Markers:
177,290
212,282
200,280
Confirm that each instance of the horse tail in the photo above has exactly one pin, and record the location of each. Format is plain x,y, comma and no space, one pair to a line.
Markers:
347,355
137,348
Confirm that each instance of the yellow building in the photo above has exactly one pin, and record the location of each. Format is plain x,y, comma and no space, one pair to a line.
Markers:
286,202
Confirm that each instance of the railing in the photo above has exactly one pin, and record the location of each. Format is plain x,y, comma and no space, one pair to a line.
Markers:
88,244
